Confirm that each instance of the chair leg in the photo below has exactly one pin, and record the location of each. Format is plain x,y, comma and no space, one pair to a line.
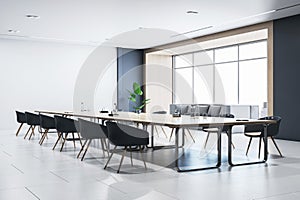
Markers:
276,146
190,134
59,136
27,132
86,149
248,146
112,153
164,131
208,133
44,136
123,155
130,155
82,147
259,147
171,134
102,146
32,132
141,151
73,140
79,139
156,131
19,129
62,145
106,147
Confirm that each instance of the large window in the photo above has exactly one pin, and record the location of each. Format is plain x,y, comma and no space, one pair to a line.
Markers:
235,74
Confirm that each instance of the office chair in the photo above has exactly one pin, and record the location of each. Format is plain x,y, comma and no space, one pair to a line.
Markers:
215,130
90,131
46,123
66,126
32,120
126,136
21,119
257,131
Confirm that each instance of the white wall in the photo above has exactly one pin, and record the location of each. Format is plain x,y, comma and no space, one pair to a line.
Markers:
158,82
37,75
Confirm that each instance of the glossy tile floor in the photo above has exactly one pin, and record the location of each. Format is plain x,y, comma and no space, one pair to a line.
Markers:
31,171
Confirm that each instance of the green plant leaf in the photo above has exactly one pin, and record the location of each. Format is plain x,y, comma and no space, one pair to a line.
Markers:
132,99
132,95
140,107
146,101
137,89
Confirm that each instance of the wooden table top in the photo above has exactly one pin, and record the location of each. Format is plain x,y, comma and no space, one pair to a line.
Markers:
164,119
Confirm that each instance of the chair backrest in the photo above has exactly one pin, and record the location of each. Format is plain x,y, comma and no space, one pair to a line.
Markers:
273,129
21,118
226,128
91,130
214,110
66,125
32,119
124,135
47,122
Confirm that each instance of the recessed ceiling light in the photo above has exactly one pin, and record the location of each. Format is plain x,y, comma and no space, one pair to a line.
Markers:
13,31
31,16
192,12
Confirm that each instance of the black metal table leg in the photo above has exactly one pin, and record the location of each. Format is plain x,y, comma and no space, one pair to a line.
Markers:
265,138
183,135
158,146
219,149
152,135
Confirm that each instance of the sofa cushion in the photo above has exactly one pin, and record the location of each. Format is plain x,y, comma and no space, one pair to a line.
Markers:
191,109
197,109
214,111
201,109
182,108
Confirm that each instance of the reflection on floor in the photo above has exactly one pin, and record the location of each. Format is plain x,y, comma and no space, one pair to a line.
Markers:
31,171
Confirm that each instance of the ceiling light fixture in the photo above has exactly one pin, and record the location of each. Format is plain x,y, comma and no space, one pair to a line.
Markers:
192,12
287,7
200,29
31,16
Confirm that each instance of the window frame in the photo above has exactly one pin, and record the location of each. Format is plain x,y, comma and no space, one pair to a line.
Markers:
213,64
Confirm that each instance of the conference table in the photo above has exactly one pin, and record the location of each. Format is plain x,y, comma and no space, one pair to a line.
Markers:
180,123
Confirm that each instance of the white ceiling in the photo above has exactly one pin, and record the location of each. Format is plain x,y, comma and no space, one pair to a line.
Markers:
119,22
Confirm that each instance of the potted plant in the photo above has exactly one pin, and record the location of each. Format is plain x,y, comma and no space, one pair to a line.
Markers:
134,97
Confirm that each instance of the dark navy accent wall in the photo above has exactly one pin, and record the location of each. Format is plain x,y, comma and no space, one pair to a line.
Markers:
130,70
287,76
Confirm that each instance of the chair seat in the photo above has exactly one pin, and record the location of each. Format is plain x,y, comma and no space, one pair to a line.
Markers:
253,134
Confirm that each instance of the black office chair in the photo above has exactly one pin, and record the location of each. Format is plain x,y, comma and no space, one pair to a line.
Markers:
46,123
33,120
90,131
21,119
225,129
257,131
126,136
65,126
